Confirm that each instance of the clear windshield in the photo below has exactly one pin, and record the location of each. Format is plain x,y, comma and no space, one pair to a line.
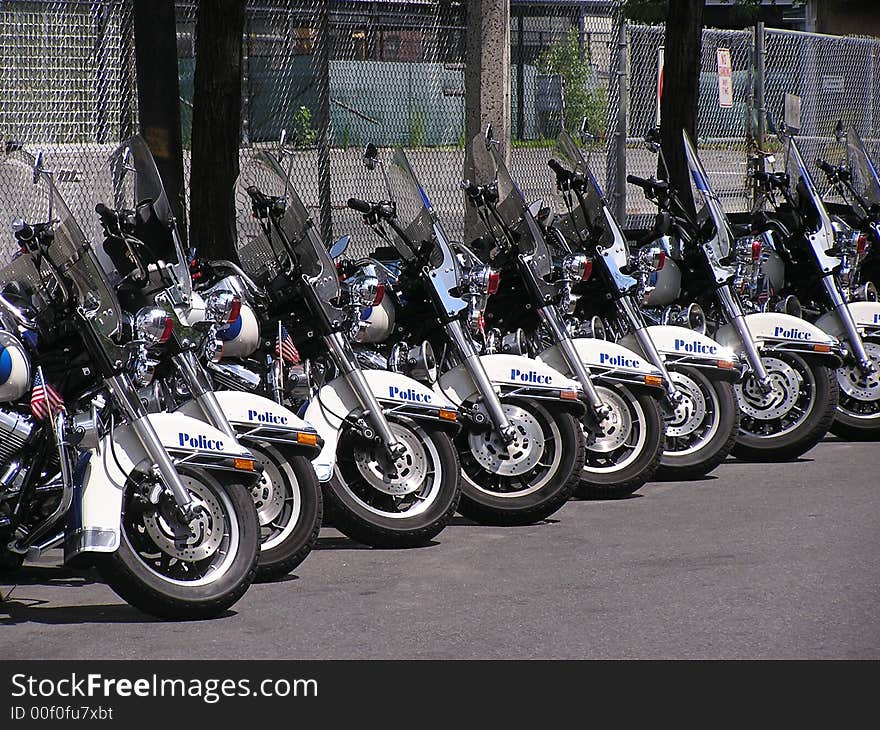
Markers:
33,197
297,224
706,203
591,217
420,224
865,177
136,185
489,167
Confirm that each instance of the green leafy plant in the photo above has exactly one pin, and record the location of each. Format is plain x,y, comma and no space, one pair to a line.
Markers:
303,133
567,59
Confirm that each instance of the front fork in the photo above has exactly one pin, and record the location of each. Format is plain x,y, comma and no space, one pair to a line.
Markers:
475,369
199,386
354,376
126,396
562,338
844,316
735,315
640,329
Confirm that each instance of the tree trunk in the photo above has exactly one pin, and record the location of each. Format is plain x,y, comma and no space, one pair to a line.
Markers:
216,127
681,87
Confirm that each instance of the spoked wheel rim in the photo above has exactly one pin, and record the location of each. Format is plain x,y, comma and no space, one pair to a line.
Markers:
788,404
177,554
625,431
696,418
531,462
276,496
860,395
408,489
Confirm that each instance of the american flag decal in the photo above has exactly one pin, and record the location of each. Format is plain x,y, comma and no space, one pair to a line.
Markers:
44,398
284,348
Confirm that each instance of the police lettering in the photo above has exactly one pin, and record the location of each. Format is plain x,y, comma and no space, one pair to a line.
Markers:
793,334
695,348
617,360
530,377
267,417
199,441
409,394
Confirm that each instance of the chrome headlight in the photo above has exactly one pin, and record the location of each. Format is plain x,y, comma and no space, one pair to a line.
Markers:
153,325
691,317
482,280
418,362
577,267
367,291
222,307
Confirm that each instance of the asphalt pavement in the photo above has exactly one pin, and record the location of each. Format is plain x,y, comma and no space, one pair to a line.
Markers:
756,561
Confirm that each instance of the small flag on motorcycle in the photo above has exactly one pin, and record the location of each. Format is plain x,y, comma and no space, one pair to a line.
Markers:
45,400
285,348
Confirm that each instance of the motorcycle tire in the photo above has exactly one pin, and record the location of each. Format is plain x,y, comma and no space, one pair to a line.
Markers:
360,498
289,507
701,432
485,496
152,573
819,382
624,458
858,419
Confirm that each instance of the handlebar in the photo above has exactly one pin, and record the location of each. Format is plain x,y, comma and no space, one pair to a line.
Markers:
361,206
647,185
374,211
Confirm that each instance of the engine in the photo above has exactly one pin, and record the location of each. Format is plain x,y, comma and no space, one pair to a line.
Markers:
15,431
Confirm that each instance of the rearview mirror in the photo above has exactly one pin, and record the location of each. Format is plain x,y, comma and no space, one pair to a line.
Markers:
584,132
339,246
371,156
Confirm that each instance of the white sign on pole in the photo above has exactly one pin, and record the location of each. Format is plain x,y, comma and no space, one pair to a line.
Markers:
725,79
792,116
659,84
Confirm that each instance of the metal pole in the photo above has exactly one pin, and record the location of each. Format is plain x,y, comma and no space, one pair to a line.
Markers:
520,81
322,49
620,135
760,58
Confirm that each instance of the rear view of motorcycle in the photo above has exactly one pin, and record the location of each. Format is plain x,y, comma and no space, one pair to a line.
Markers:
157,502
699,406
142,251
520,444
788,396
388,465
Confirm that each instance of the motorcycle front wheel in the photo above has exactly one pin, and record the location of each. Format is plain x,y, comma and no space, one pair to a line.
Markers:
394,504
525,481
184,572
702,427
793,416
858,409
627,452
289,507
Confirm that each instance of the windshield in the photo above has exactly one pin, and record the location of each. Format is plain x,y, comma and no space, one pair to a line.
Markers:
420,224
264,258
488,167
865,178
31,196
818,232
706,202
590,218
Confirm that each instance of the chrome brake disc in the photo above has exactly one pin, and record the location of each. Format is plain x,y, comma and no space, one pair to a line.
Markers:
690,411
617,425
518,457
778,401
194,542
854,384
404,475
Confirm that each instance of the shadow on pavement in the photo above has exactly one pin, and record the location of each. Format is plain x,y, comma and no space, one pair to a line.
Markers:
345,543
21,610
32,575
461,521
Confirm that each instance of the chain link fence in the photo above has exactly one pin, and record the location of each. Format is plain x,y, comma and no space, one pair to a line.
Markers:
338,75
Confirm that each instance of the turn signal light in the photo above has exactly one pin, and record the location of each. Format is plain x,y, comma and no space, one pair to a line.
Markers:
821,348
654,380
243,464
726,365
309,439
568,394
494,282
447,415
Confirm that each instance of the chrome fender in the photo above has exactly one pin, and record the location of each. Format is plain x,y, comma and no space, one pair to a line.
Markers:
256,417
682,344
505,372
865,314
782,332
98,494
327,409
603,358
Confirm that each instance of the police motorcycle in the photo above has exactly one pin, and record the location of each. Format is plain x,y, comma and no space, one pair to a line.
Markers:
699,407
520,444
788,394
622,424
811,246
143,255
388,467
158,503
